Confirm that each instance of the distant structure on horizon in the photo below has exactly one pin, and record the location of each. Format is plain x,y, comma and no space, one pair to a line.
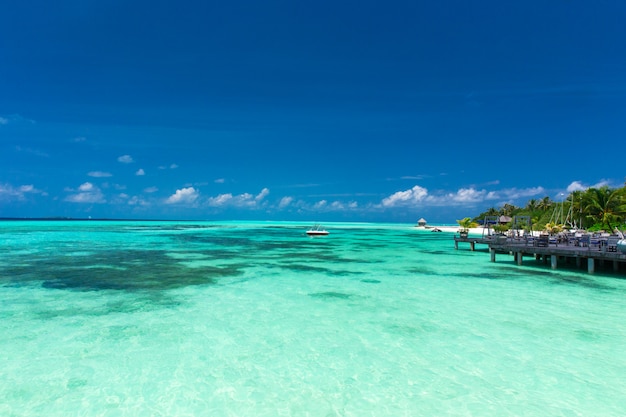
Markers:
421,222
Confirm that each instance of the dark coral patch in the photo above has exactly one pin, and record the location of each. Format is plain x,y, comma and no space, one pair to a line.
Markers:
129,270
331,295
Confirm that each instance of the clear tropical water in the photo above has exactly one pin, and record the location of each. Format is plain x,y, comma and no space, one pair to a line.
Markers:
258,319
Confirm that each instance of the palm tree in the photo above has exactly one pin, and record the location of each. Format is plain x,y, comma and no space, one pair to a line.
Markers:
466,224
532,205
535,221
544,204
553,228
492,212
508,209
605,206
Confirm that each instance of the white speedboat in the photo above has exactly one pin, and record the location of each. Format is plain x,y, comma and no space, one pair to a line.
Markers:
317,230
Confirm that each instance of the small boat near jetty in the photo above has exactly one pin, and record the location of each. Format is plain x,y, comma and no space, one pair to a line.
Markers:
317,230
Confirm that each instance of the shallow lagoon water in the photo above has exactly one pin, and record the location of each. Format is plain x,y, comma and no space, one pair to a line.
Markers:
258,319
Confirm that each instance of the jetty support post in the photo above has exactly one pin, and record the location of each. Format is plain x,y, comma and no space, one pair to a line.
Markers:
591,265
553,261
492,253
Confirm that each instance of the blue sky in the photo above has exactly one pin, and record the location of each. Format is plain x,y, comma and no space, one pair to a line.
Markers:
307,110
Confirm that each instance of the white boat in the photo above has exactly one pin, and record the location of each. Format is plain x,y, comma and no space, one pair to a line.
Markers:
317,230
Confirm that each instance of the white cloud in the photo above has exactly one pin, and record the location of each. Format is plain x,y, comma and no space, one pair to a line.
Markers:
137,201
284,202
9,192
320,204
36,152
219,181
15,119
576,186
172,166
516,193
220,200
27,188
326,206
404,198
99,174
422,197
125,159
603,183
579,186
183,196
140,172
413,177
264,193
87,193
150,190
463,196
468,195
242,200
87,186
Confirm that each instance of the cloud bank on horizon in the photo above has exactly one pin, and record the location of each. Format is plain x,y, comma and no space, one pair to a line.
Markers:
193,202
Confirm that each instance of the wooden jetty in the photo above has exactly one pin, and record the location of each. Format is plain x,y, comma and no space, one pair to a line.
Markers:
472,241
552,252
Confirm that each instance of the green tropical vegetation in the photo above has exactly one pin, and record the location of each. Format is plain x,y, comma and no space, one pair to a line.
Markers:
594,209
501,227
466,224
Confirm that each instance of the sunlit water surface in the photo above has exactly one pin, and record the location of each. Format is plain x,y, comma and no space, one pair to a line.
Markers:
258,319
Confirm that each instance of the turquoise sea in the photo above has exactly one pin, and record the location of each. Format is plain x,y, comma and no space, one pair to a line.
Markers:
112,318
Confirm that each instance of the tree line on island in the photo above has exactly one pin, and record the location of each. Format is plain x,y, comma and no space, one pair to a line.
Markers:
593,209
